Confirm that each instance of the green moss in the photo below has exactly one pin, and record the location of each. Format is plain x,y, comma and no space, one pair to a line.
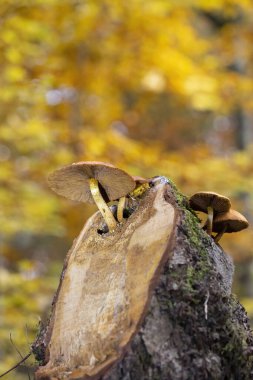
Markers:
190,279
235,340
181,199
196,272
197,238
225,331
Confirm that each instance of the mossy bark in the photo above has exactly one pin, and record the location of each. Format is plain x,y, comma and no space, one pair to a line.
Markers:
194,328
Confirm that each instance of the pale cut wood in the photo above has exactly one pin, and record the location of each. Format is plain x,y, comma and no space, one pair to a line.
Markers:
105,289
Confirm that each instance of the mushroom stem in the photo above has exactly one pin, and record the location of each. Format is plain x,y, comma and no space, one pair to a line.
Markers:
101,204
219,235
203,224
120,208
209,220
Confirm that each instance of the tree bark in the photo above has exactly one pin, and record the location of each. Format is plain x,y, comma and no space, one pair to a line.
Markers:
161,308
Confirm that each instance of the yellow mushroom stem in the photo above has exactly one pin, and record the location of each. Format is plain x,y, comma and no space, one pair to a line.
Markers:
139,190
219,235
102,206
120,208
202,224
209,222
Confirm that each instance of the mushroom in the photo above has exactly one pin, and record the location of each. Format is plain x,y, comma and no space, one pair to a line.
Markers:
92,182
231,221
140,180
120,208
141,185
210,203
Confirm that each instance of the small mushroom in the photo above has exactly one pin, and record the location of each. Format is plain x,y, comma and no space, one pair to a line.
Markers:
141,185
120,208
140,180
231,221
92,182
210,203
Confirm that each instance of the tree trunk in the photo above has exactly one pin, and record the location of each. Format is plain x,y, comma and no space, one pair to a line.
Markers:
150,301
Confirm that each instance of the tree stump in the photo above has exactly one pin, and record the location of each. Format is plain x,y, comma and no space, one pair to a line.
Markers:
152,300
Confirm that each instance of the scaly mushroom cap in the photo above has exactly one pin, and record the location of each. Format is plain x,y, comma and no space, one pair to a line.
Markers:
72,181
204,199
232,220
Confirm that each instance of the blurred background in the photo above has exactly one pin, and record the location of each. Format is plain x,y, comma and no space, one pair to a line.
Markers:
154,87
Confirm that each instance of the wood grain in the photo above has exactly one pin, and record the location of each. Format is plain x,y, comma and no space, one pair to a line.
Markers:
105,289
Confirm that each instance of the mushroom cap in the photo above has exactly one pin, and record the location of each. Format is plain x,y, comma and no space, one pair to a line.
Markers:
233,220
201,200
140,180
72,181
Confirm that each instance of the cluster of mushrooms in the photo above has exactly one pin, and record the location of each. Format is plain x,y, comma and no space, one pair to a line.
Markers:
221,218
99,183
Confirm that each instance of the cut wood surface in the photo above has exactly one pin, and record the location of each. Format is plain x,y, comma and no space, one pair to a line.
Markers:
151,301
105,289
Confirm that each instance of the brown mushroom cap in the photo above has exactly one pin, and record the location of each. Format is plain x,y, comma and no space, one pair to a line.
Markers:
72,181
140,180
233,220
204,199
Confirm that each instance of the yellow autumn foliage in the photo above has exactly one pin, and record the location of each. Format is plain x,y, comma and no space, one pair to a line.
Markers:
154,87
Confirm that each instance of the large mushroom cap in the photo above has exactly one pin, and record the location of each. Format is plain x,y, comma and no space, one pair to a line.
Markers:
72,181
204,199
232,220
